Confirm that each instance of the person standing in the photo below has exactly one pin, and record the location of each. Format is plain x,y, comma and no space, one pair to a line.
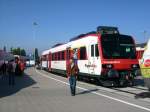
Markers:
4,68
11,72
72,75
17,68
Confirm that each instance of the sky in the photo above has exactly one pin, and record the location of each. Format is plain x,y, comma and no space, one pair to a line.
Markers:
59,20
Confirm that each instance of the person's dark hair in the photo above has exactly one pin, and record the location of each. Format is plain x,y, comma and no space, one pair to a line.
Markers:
72,58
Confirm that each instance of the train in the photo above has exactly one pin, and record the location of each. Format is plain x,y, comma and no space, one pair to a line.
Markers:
104,55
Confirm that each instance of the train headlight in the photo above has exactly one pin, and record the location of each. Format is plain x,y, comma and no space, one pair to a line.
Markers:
108,66
135,66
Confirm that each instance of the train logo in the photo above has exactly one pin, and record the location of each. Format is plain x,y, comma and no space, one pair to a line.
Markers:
147,63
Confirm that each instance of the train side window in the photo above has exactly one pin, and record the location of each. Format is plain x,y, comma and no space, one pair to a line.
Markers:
62,55
53,57
92,50
96,50
58,55
82,53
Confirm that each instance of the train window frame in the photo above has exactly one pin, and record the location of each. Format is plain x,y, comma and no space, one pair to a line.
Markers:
83,53
92,50
55,56
52,56
63,55
58,56
96,50
77,51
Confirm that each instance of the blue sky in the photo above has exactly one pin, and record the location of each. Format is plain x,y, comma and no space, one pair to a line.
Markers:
60,20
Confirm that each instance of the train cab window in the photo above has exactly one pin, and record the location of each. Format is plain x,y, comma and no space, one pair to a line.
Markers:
96,50
82,53
92,50
118,47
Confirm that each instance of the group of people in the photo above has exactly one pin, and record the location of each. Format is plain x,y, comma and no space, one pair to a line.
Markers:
10,68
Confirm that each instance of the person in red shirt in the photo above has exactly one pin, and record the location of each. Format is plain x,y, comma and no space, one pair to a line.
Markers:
72,75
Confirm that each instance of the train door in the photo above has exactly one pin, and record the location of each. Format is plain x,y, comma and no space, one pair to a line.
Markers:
68,55
50,59
94,59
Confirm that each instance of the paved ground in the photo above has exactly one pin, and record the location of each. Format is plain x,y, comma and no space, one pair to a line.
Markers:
40,91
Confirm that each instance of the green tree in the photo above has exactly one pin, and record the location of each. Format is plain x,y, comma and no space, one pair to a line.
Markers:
14,51
18,51
23,52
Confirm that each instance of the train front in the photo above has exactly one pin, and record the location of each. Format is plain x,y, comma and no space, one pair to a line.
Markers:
119,62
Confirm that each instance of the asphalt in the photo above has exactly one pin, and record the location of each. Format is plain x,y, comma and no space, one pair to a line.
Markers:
40,91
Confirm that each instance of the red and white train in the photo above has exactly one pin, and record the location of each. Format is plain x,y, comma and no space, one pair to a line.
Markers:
104,55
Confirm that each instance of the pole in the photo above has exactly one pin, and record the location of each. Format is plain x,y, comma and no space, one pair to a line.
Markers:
145,35
34,36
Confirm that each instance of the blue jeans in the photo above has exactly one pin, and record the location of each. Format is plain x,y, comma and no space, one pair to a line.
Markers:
72,81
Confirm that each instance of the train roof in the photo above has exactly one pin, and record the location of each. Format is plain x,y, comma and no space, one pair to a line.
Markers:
58,44
81,36
107,30
46,52
142,45
100,29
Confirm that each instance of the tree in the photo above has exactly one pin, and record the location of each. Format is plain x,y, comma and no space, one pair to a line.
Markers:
14,51
36,56
18,51
23,52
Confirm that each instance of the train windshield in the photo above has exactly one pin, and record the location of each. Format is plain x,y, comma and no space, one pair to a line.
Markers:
118,47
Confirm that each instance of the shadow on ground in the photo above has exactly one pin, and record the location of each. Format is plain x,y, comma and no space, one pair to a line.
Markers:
20,82
143,95
88,91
